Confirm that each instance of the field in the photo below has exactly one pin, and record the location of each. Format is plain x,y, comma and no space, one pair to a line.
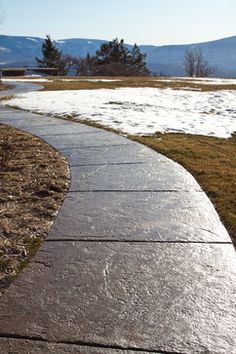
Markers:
79,83
209,153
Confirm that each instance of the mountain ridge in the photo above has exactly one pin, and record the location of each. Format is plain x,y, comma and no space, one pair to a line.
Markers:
165,59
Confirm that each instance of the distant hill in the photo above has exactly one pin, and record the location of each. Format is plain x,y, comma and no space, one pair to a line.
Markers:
21,51
221,54
167,60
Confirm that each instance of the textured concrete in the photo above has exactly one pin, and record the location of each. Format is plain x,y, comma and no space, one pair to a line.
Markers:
145,177
139,216
21,119
20,87
23,346
101,138
63,128
136,261
148,296
109,155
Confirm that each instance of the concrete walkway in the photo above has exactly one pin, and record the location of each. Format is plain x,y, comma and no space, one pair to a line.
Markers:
137,260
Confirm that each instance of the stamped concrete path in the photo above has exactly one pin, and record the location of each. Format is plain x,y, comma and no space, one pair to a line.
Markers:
137,260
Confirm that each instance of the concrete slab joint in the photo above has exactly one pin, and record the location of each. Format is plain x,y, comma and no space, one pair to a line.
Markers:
137,260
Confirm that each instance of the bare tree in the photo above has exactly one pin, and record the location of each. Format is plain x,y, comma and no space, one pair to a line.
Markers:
195,65
206,70
202,67
65,64
85,66
76,65
198,61
189,62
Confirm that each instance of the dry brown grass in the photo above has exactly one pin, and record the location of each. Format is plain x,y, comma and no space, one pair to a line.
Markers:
176,84
34,180
212,161
5,87
82,83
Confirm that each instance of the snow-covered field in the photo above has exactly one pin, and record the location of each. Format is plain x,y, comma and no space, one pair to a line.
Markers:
201,80
26,79
91,80
142,110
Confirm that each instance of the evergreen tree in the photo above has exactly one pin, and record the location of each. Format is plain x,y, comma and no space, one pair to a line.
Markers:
51,55
138,62
112,52
114,59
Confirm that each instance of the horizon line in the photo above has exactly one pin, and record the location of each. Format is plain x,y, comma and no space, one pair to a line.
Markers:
108,40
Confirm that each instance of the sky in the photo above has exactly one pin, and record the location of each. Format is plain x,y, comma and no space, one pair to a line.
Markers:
157,22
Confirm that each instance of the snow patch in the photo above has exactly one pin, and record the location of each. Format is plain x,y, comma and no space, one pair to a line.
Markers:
142,111
102,80
92,80
32,39
200,80
26,80
3,49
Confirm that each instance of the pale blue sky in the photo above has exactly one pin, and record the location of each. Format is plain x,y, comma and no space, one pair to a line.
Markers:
142,21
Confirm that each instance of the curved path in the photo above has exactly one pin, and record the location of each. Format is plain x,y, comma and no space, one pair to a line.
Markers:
137,260
19,87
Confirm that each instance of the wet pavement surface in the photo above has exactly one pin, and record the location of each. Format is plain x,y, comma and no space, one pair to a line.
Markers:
137,259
